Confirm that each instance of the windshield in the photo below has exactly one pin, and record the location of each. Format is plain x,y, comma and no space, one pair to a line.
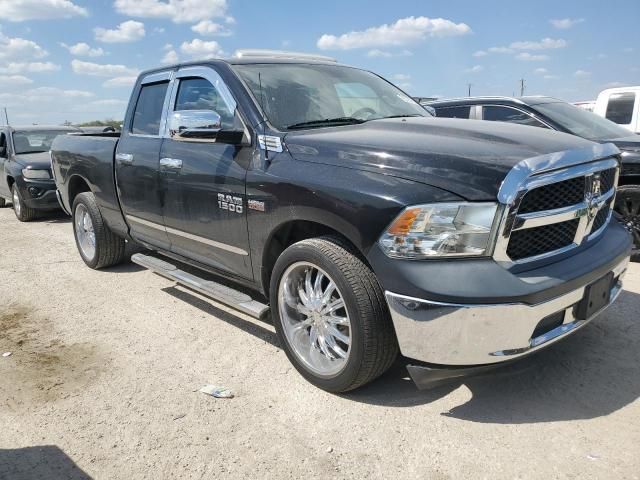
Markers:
311,96
581,122
34,141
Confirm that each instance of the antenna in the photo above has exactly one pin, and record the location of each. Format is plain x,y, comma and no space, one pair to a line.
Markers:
6,116
522,87
264,121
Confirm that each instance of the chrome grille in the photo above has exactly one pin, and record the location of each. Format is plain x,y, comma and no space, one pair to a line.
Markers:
553,211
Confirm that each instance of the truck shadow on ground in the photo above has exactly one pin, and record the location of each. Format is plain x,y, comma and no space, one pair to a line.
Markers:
55,217
35,463
593,373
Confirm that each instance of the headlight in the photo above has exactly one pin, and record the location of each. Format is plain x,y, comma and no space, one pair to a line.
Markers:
440,230
36,174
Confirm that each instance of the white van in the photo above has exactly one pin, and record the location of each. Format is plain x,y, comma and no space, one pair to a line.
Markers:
620,105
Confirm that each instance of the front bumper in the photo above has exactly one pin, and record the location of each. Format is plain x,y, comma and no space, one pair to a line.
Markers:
457,334
40,195
488,319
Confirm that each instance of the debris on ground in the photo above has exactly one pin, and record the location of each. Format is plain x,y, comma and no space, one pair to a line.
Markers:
217,392
6,354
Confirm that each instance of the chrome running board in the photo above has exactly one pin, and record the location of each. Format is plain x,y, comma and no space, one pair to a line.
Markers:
216,291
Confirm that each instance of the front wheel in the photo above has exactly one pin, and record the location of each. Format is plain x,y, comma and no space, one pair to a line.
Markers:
99,247
22,211
628,206
330,315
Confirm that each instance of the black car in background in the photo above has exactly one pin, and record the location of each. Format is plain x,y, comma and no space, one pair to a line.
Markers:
554,114
25,169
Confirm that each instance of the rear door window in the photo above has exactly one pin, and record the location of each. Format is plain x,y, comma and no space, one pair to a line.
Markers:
497,113
620,107
461,111
148,112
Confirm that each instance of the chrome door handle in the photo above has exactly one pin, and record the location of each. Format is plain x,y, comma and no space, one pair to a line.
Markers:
172,163
124,158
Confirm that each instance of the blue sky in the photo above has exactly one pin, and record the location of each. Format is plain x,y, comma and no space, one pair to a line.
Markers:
76,59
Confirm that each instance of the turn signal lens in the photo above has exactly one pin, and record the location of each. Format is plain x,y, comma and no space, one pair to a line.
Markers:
440,230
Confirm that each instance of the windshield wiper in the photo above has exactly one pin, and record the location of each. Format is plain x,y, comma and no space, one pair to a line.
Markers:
31,151
401,116
326,122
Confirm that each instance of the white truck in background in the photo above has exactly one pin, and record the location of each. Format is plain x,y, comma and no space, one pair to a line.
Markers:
620,105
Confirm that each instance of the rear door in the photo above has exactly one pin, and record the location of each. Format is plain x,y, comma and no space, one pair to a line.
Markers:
205,209
137,161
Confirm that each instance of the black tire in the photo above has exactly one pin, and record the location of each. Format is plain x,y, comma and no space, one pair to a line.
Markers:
109,248
23,213
3,202
628,207
374,346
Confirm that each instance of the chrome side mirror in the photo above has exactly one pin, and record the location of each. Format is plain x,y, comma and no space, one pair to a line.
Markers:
430,110
195,125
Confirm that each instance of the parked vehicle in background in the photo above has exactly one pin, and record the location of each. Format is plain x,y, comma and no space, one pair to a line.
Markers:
620,105
25,170
105,129
370,226
547,112
588,106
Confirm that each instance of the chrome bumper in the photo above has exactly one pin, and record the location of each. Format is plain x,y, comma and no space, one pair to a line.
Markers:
455,334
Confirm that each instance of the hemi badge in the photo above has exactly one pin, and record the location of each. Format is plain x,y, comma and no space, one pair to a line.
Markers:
256,205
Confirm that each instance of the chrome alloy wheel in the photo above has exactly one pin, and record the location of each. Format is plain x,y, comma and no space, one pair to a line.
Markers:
314,318
84,232
16,201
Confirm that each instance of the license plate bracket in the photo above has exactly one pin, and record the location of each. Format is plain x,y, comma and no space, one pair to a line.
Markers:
596,296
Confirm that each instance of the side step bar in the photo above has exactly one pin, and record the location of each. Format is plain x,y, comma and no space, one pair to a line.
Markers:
220,293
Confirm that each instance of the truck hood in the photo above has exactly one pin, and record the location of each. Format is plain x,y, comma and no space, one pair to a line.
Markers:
37,161
469,158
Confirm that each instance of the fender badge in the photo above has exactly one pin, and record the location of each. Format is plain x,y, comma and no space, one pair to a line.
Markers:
256,205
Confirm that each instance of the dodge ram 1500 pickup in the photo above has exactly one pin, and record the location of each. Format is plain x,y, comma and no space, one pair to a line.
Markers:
365,226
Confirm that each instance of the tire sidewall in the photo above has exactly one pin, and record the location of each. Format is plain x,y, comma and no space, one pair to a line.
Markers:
83,199
305,253
15,192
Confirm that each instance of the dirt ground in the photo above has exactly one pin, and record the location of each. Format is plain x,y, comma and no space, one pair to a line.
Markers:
105,369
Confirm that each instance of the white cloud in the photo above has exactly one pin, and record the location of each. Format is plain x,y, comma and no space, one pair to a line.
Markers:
501,50
19,48
179,11
14,80
544,44
403,32
376,53
101,70
550,77
528,57
129,31
581,74
480,53
21,10
565,23
615,84
207,28
83,49
199,49
109,102
32,67
52,92
170,57
541,71
401,77
475,69
119,82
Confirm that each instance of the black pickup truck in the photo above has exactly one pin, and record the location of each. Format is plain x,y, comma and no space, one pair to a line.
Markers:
363,225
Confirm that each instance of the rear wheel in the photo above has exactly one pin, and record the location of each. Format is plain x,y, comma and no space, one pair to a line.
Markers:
628,206
330,315
99,247
22,211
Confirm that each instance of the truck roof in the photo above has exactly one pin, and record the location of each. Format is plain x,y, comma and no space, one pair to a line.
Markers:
526,100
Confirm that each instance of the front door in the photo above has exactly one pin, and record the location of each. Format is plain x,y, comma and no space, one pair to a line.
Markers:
4,159
137,162
205,210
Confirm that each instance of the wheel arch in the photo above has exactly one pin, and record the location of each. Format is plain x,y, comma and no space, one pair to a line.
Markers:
293,231
77,184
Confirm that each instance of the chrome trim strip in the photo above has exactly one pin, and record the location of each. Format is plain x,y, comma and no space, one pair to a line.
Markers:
476,334
195,238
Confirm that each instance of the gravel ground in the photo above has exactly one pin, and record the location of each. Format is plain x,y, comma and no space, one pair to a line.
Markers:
105,367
